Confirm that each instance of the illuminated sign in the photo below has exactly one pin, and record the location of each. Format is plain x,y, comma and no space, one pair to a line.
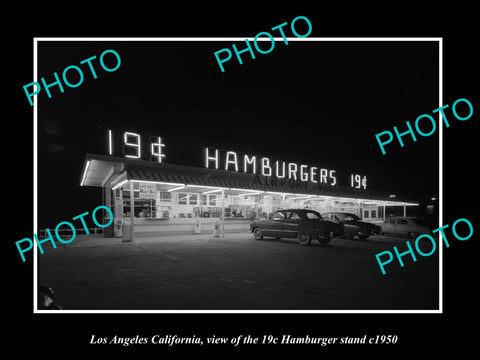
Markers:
253,164
147,191
133,145
138,146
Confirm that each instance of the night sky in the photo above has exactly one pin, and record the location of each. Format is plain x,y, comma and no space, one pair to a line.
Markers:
316,103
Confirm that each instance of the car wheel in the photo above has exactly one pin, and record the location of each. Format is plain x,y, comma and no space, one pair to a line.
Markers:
304,238
349,236
363,237
412,235
257,234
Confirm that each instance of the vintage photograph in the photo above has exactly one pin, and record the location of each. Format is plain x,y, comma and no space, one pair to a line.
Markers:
170,183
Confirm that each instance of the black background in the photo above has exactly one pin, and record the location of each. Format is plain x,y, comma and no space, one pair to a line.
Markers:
69,334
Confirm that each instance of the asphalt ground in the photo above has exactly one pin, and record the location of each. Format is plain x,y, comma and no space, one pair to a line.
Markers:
199,272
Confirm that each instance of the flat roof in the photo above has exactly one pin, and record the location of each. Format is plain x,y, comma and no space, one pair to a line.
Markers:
111,171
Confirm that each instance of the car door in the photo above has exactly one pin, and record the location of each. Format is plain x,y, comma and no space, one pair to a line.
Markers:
402,227
352,226
389,226
291,224
274,225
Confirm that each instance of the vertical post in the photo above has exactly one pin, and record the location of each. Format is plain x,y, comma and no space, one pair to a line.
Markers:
223,213
121,202
107,201
103,203
132,213
404,211
161,203
384,209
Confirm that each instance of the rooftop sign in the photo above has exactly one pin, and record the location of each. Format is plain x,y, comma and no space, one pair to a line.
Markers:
287,171
151,148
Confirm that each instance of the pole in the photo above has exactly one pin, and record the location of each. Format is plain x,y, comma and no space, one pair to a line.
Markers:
109,231
384,209
161,203
404,211
132,212
223,213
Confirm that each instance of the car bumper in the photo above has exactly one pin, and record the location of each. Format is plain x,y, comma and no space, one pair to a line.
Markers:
332,232
370,231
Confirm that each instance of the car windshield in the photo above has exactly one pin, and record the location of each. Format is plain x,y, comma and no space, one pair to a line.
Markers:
312,215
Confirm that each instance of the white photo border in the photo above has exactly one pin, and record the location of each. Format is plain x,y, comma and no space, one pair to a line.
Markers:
36,40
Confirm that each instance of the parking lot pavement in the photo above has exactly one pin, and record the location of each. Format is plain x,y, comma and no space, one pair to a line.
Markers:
200,272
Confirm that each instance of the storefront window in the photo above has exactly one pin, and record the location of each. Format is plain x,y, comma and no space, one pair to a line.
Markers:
212,200
165,196
182,198
193,199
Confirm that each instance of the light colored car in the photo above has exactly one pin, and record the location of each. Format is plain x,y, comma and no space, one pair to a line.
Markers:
404,226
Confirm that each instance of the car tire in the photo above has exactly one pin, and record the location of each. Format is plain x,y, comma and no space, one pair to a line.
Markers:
349,236
257,234
304,238
363,237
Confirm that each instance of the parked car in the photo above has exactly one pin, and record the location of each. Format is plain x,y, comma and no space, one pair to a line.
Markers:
354,226
409,227
304,225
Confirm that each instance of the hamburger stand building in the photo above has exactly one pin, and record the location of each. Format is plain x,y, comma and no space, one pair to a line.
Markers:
151,198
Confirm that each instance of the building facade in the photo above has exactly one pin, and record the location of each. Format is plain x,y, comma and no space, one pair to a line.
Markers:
151,198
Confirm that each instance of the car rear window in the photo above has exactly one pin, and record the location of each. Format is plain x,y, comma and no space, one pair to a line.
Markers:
312,215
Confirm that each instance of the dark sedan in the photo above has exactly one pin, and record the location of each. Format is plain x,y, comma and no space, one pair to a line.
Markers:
304,225
354,226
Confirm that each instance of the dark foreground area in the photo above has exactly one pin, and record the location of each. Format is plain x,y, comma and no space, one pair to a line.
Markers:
237,273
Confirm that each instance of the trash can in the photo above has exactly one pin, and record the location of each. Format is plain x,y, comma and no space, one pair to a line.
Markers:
126,232
197,227
216,229
119,229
